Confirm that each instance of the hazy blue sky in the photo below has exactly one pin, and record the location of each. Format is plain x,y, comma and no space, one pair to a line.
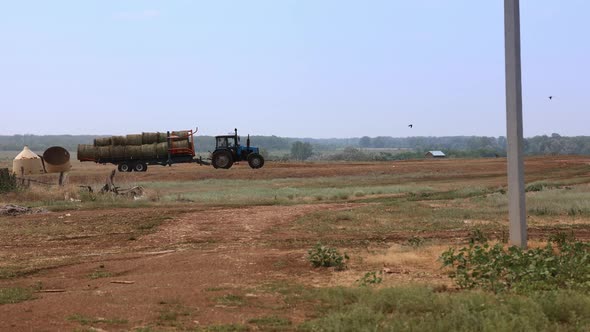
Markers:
307,68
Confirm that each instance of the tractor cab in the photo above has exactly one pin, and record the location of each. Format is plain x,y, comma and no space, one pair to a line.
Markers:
229,150
225,142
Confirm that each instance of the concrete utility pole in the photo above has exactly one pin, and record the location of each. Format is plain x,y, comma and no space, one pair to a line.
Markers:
516,197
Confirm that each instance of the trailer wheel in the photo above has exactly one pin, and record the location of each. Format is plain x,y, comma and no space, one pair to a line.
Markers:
124,167
222,159
255,160
140,167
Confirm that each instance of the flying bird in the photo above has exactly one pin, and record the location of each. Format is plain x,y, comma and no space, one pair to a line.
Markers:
410,125
550,97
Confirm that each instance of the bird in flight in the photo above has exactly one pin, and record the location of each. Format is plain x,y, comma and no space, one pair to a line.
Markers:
410,125
550,97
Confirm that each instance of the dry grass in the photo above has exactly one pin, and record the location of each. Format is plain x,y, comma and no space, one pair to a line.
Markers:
402,256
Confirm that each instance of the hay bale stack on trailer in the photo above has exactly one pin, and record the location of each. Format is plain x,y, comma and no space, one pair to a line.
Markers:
134,152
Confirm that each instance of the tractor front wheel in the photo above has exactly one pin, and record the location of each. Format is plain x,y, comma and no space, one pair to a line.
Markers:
255,160
222,159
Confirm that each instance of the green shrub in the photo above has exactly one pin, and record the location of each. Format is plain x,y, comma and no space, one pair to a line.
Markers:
416,241
537,186
323,256
477,236
371,278
497,269
7,181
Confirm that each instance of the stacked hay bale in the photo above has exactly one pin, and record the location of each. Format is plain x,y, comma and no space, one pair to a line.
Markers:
134,146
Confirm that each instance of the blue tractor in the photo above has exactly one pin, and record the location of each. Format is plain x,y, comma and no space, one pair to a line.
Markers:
228,150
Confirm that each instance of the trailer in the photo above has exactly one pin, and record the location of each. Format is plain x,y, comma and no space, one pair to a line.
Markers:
136,151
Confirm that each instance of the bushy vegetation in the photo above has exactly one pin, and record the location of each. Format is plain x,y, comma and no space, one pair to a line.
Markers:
419,308
7,181
324,256
565,264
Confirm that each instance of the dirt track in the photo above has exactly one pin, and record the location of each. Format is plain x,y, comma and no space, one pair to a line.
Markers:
218,249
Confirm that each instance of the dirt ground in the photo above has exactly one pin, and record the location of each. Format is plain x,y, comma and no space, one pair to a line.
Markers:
207,265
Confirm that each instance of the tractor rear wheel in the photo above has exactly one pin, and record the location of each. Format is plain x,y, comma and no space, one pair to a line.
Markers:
222,159
255,160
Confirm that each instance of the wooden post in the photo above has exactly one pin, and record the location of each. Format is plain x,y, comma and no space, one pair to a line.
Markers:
62,178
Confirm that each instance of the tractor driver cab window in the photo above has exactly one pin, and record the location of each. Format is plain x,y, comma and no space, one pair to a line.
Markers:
222,142
230,143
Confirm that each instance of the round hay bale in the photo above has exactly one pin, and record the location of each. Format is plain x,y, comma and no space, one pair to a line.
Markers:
118,151
162,137
179,135
148,151
149,138
180,144
134,139
162,149
86,152
103,141
119,140
57,159
133,151
104,152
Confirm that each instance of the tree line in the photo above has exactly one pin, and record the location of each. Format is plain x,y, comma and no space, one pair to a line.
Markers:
458,146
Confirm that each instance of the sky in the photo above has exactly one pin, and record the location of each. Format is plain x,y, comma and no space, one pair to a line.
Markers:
295,68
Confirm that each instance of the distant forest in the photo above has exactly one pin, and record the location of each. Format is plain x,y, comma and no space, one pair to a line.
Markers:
363,147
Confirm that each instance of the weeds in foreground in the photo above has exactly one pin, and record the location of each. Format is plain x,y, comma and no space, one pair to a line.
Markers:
497,269
371,278
419,308
477,236
323,256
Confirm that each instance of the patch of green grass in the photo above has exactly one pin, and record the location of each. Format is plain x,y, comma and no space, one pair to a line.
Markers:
225,328
15,295
86,320
100,274
466,192
418,308
279,191
270,321
393,216
172,314
231,300
215,289
575,202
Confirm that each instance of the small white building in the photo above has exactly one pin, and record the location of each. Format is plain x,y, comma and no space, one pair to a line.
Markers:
435,154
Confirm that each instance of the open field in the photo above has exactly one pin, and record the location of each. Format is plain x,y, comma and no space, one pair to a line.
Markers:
226,250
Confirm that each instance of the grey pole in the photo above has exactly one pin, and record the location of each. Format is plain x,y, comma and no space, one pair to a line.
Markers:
516,197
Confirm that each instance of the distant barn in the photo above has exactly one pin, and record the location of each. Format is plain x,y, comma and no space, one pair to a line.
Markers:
435,154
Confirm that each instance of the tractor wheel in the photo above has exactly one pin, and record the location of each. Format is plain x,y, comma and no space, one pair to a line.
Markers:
222,159
140,167
255,160
124,167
